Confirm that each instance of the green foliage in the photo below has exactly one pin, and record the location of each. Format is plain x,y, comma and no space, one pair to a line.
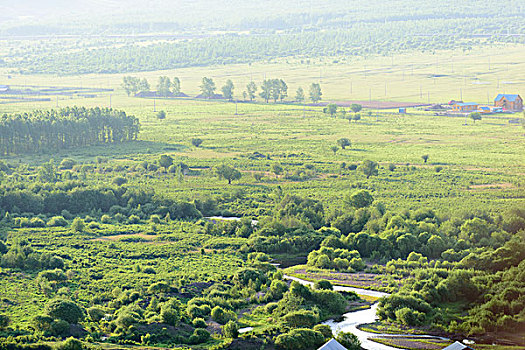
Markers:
348,340
369,168
78,225
64,310
300,339
323,284
301,319
228,173
359,199
315,93
74,127
222,316
231,329
207,88
70,344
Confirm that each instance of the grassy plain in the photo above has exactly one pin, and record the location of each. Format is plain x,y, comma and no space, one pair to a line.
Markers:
482,162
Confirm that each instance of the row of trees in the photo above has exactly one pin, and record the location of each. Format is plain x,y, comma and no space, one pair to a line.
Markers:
165,86
271,90
44,131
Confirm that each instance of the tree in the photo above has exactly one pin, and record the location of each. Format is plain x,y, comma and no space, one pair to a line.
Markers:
207,87
330,109
64,310
356,108
348,340
357,116
369,168
315,92
334,149
48,172
175,85
130,85
283,90
227,90
196,142
475,116
344,142
359,199
266,90
252,89
228,173
71,344
299,95
143,85
165,161
424,157
161,115
164,86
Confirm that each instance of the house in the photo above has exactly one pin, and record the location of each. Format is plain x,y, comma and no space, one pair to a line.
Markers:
332,344
511,102
457,346
465,107
484,109
402,110
4,88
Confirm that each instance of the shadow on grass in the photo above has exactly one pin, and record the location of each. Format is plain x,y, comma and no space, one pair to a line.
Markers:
111,151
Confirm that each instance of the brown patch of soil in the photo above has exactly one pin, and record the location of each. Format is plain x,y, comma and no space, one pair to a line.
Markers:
503,186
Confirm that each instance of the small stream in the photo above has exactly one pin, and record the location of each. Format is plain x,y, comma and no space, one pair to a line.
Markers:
352,319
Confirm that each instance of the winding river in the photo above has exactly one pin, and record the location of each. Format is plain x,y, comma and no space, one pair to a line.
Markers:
352,319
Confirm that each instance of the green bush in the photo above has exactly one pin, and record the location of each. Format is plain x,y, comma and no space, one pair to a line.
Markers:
230,329
348,340
64,310
57,221
222,316
300,339
78,225
199,323
70,344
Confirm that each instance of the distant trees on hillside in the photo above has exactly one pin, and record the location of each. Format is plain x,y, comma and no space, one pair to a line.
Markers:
315,92
45,131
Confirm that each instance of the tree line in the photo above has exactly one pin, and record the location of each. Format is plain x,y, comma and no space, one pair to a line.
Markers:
270,89
44,131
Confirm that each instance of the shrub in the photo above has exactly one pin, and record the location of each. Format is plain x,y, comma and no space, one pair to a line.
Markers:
119,181
222,316
325,330
301,318
64,310
299,339
37,222
134,219
95,314
409,317
155,219
196,142
105,219
230,329
78,225
323,284
199,323
67,163
349,341
4,321
57,221
199,336
70,344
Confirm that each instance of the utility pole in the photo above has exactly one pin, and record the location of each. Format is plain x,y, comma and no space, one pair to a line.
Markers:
109,100
370,95
154,104
236,107
460,94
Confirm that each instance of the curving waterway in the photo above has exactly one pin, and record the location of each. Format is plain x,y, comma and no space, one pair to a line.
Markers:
355,318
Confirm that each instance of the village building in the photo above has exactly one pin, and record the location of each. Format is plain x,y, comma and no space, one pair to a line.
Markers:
465,107
332,344
510,102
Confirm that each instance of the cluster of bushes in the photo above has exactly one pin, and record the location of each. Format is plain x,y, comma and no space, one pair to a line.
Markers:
339,259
